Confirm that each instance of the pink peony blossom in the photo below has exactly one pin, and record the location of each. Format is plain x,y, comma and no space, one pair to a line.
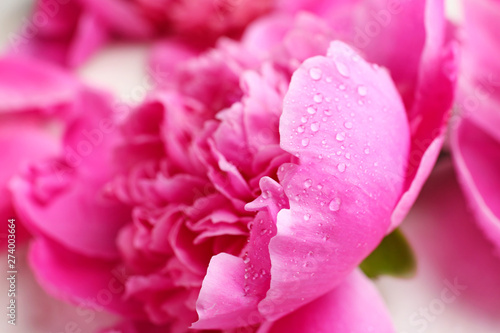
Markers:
243,194
68,32
475,138
35,100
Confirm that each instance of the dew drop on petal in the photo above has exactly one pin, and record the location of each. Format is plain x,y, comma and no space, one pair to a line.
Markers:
318,98
334,205
348,125
340,136
308,183
315,73
341,167
303,120
311,110
342,68
301,129
315,127
367,151
362,90
307,217
305,142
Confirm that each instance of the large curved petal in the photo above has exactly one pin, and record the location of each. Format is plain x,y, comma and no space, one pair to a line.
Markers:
479,87
355,306
431,106
477,160
345,122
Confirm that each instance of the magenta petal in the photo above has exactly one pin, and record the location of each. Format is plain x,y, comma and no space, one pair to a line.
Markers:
448,241
90,36
27,85
477,160
223,302
64,199
431,106
121,17
355,306
88,282
346,185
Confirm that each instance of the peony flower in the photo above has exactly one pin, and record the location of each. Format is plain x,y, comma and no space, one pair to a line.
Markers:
35,100
243,193
68,32
475,139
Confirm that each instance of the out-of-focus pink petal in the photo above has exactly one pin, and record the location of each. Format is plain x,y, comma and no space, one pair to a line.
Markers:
64,199
345,122
478,97
477,160
354,306
446,238
89,37
121,16
88,282
29,85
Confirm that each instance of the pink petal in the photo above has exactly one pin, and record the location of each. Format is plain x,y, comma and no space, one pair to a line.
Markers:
61,273
28,85
354,306
477,160
64,199
89,37
223,299
121,17
448,241
431,106
346,184
479,91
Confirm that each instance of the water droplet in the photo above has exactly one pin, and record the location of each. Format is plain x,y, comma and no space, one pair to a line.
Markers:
315,73
334,205
303,119
341,167
362,91
315,127
329,79
341,87
308,183
246,260
340,136
367,151
307,217
318,98
301,129
311,110
348,125
320,187
305,142
348,156
342,68
327,112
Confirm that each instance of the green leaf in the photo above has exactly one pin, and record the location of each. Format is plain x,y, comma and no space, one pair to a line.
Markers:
392,257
